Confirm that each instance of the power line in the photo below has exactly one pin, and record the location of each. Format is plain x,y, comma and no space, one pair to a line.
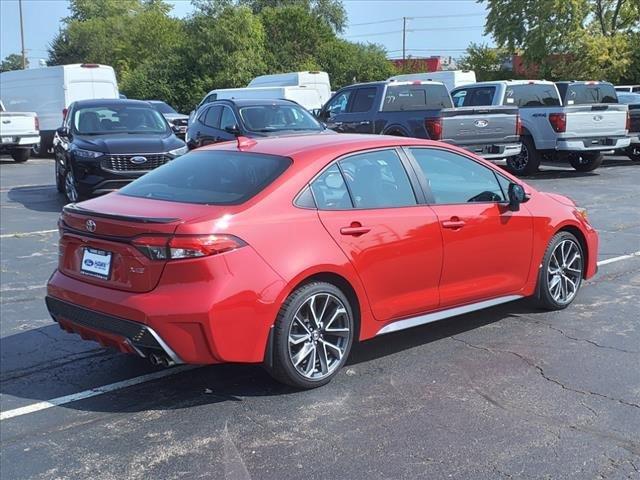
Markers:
389,20
437,29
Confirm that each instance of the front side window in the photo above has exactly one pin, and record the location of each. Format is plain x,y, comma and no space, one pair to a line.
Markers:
228,119
377,180
338,104
459,98
454,178
118,119
210,177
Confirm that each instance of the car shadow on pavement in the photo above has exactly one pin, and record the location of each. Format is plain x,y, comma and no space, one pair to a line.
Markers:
39,198
45,363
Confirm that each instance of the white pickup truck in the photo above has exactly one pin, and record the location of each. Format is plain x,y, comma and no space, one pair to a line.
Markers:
574,131
19,132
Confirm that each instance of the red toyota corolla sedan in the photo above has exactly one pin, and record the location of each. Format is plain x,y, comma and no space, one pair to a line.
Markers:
284,251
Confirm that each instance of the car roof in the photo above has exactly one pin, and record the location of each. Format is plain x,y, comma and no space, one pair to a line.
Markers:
111,102
505,82
244,102
318,145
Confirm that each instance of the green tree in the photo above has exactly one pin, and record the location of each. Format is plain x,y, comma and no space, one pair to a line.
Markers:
348,62
487,62
12,61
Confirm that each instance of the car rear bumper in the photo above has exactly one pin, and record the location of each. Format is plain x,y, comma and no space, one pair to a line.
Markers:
496,151
592,144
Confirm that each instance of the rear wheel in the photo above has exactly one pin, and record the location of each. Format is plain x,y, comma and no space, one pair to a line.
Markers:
527,161
586,162
20,154
313,336
633,153
561,272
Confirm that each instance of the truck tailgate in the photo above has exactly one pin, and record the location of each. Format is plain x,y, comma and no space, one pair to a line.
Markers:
595,121
17,124
479,125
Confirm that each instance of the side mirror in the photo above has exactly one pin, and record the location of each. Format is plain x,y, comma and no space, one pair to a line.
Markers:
174,128
232,129
517,196
63,132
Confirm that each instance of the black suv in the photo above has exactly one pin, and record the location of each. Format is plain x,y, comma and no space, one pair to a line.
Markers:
223,120
105,144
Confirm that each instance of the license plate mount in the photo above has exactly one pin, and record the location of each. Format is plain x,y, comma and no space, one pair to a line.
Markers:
96,263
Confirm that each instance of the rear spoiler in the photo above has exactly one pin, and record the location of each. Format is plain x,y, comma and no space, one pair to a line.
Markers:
72,208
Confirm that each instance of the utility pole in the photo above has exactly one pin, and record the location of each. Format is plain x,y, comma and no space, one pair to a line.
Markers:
24,53
404,40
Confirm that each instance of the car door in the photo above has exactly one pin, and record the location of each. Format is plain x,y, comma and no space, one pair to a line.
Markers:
332,113
360,111
367,203
487,247
228,124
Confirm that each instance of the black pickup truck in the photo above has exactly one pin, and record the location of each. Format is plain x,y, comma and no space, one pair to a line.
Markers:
423,110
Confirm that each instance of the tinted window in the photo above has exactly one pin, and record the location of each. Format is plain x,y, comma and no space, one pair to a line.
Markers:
377,180
587,94
457,179
118,118
163,107
416,97
209,177
271,118
459,97
481,96
363,100
212,117
532,95
330,191
227,119
338,104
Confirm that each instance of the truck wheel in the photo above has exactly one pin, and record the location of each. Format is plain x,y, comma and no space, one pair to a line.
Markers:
586,162
20,154
527,161
633,154
41,149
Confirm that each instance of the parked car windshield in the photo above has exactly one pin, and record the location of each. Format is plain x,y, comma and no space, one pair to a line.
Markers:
163,108
587,93
271,118
416,97
118,119
210,177
629,98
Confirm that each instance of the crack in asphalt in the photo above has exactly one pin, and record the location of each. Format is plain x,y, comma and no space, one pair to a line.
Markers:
542,373
577,339
25,372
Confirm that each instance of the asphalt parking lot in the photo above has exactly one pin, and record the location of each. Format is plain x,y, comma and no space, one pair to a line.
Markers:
509,392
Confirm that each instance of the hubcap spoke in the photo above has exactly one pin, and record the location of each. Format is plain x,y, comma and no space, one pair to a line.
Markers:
296,339
302,354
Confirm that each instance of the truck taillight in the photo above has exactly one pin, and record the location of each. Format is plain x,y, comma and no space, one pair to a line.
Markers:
518,125
186,246
434,128
628,127
558,122
64,113
36,123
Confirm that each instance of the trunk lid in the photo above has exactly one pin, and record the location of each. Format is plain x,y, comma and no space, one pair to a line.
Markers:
105,228
600,120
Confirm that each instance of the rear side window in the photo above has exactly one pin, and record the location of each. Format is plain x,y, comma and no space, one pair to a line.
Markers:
589,93
210,177
363,100
212,117
532,95
416,97
329,190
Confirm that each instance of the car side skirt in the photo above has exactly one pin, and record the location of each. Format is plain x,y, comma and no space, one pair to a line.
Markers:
442,314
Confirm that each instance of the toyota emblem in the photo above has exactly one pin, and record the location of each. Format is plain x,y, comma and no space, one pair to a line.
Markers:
90,225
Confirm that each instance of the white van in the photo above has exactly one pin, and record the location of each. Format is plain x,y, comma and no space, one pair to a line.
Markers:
49,91
316,80
451,78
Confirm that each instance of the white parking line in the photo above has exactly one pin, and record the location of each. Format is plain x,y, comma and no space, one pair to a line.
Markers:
27,234
55,402
618,259
36,407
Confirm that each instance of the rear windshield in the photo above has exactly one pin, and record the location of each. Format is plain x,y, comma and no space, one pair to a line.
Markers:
532,95
587,94
416,97
210,177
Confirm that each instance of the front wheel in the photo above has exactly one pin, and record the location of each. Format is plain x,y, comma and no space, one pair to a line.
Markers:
71,187
20,154
312,336
527,161
586,162
561,272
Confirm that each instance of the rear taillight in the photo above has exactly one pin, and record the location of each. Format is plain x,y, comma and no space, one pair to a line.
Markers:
518,125
186,246
628,127
558,122
36,123
434,128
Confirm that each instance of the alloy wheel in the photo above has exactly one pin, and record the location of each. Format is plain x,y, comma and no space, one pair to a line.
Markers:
319,336
520,161
564,272
70,188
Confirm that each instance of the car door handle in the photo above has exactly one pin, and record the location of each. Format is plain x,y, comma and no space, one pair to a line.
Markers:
454,223
355,230
366,122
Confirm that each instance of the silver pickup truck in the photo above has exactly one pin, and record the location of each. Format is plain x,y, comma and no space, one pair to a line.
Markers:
574,132
19,132
423,110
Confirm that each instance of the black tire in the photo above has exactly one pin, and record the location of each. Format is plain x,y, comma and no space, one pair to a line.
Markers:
41,150
633,153
292,318
527,161
70,187
545,298
59,173
586,162
20,155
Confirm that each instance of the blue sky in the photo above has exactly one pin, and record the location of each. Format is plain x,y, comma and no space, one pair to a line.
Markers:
435,27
